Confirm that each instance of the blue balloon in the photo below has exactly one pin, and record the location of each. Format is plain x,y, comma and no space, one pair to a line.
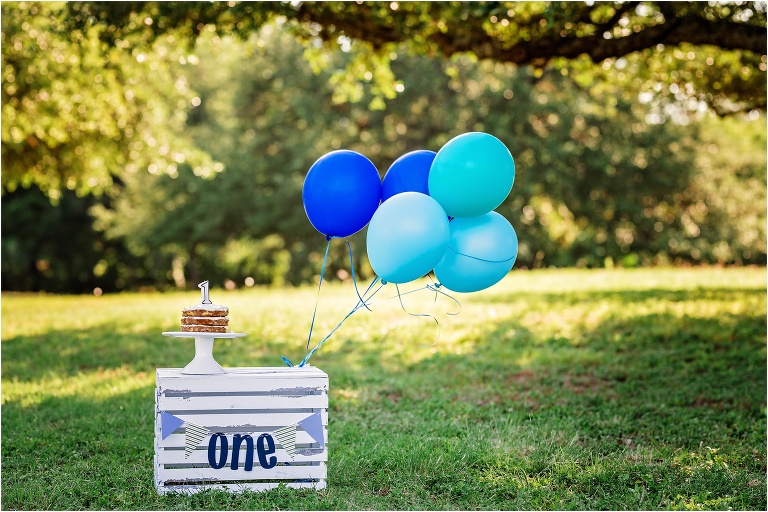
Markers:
341,192
407,236
471,175
409,173
480,253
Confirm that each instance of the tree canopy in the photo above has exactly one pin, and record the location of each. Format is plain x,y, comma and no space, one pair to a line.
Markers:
83,82
175,137
729,38
78,111
600,178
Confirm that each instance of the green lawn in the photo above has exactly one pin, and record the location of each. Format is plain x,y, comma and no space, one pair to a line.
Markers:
567,389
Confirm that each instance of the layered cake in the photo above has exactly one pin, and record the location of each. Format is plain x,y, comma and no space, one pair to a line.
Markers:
205,318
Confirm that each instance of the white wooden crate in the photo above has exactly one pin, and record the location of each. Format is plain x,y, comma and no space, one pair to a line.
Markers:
242,401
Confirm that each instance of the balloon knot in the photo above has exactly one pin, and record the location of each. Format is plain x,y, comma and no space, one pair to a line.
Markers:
438,285
328,238
383,282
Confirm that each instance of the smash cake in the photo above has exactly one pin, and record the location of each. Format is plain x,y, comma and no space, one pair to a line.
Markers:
205,318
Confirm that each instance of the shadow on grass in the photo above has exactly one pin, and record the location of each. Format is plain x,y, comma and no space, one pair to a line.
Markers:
78,453
651,411
74,453
67,353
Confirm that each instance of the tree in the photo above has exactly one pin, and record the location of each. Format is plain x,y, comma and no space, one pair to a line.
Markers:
78,111
85,93
601,176
597,181
57,249
728,40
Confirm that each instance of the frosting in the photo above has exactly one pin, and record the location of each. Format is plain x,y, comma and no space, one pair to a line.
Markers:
208,307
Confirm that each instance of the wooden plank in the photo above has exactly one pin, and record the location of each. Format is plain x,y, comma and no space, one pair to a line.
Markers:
257,473
251,371
173,404
284,387
176,440
248,422
200,456
237,488
255,379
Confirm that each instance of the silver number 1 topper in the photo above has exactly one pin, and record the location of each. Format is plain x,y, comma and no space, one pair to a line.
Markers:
204,288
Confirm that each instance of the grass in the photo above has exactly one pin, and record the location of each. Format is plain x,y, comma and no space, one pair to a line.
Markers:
567,389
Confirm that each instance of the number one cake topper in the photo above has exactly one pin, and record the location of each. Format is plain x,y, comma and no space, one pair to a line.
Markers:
204,287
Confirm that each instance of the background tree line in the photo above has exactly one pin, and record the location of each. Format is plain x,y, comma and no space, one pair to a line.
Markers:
132,157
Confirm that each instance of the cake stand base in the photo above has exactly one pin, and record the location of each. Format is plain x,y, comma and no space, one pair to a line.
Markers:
203,363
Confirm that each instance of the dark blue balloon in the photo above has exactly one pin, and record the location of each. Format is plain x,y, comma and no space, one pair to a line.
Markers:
341,193
409,173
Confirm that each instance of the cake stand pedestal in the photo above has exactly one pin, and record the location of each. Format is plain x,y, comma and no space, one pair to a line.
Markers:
204,363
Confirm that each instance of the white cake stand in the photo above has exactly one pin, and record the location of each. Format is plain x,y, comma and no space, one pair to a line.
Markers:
204,363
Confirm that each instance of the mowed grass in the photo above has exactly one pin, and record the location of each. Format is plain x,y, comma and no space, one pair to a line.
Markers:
558,389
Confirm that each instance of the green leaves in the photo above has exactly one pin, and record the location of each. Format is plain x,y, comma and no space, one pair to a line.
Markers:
86,85
196,123
77,111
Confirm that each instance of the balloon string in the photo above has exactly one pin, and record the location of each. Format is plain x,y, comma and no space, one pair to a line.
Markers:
434,301
364,301
381,285
360,304
403,294
436,288
354,280
420,314
317,299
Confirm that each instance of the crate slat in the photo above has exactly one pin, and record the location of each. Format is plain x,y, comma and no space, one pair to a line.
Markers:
238,488
176,440
257,473
200,456
242,401
251,372
247,423
299,388
202,402
288,381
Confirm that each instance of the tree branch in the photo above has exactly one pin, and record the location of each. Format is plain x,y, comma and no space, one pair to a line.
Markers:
617,16
697,31
674,30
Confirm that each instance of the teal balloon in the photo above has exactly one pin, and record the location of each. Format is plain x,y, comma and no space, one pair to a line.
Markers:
407,237
471,175
481,251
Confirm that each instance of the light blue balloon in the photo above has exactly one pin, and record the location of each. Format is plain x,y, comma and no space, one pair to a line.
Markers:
471,175
481,251
407,237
